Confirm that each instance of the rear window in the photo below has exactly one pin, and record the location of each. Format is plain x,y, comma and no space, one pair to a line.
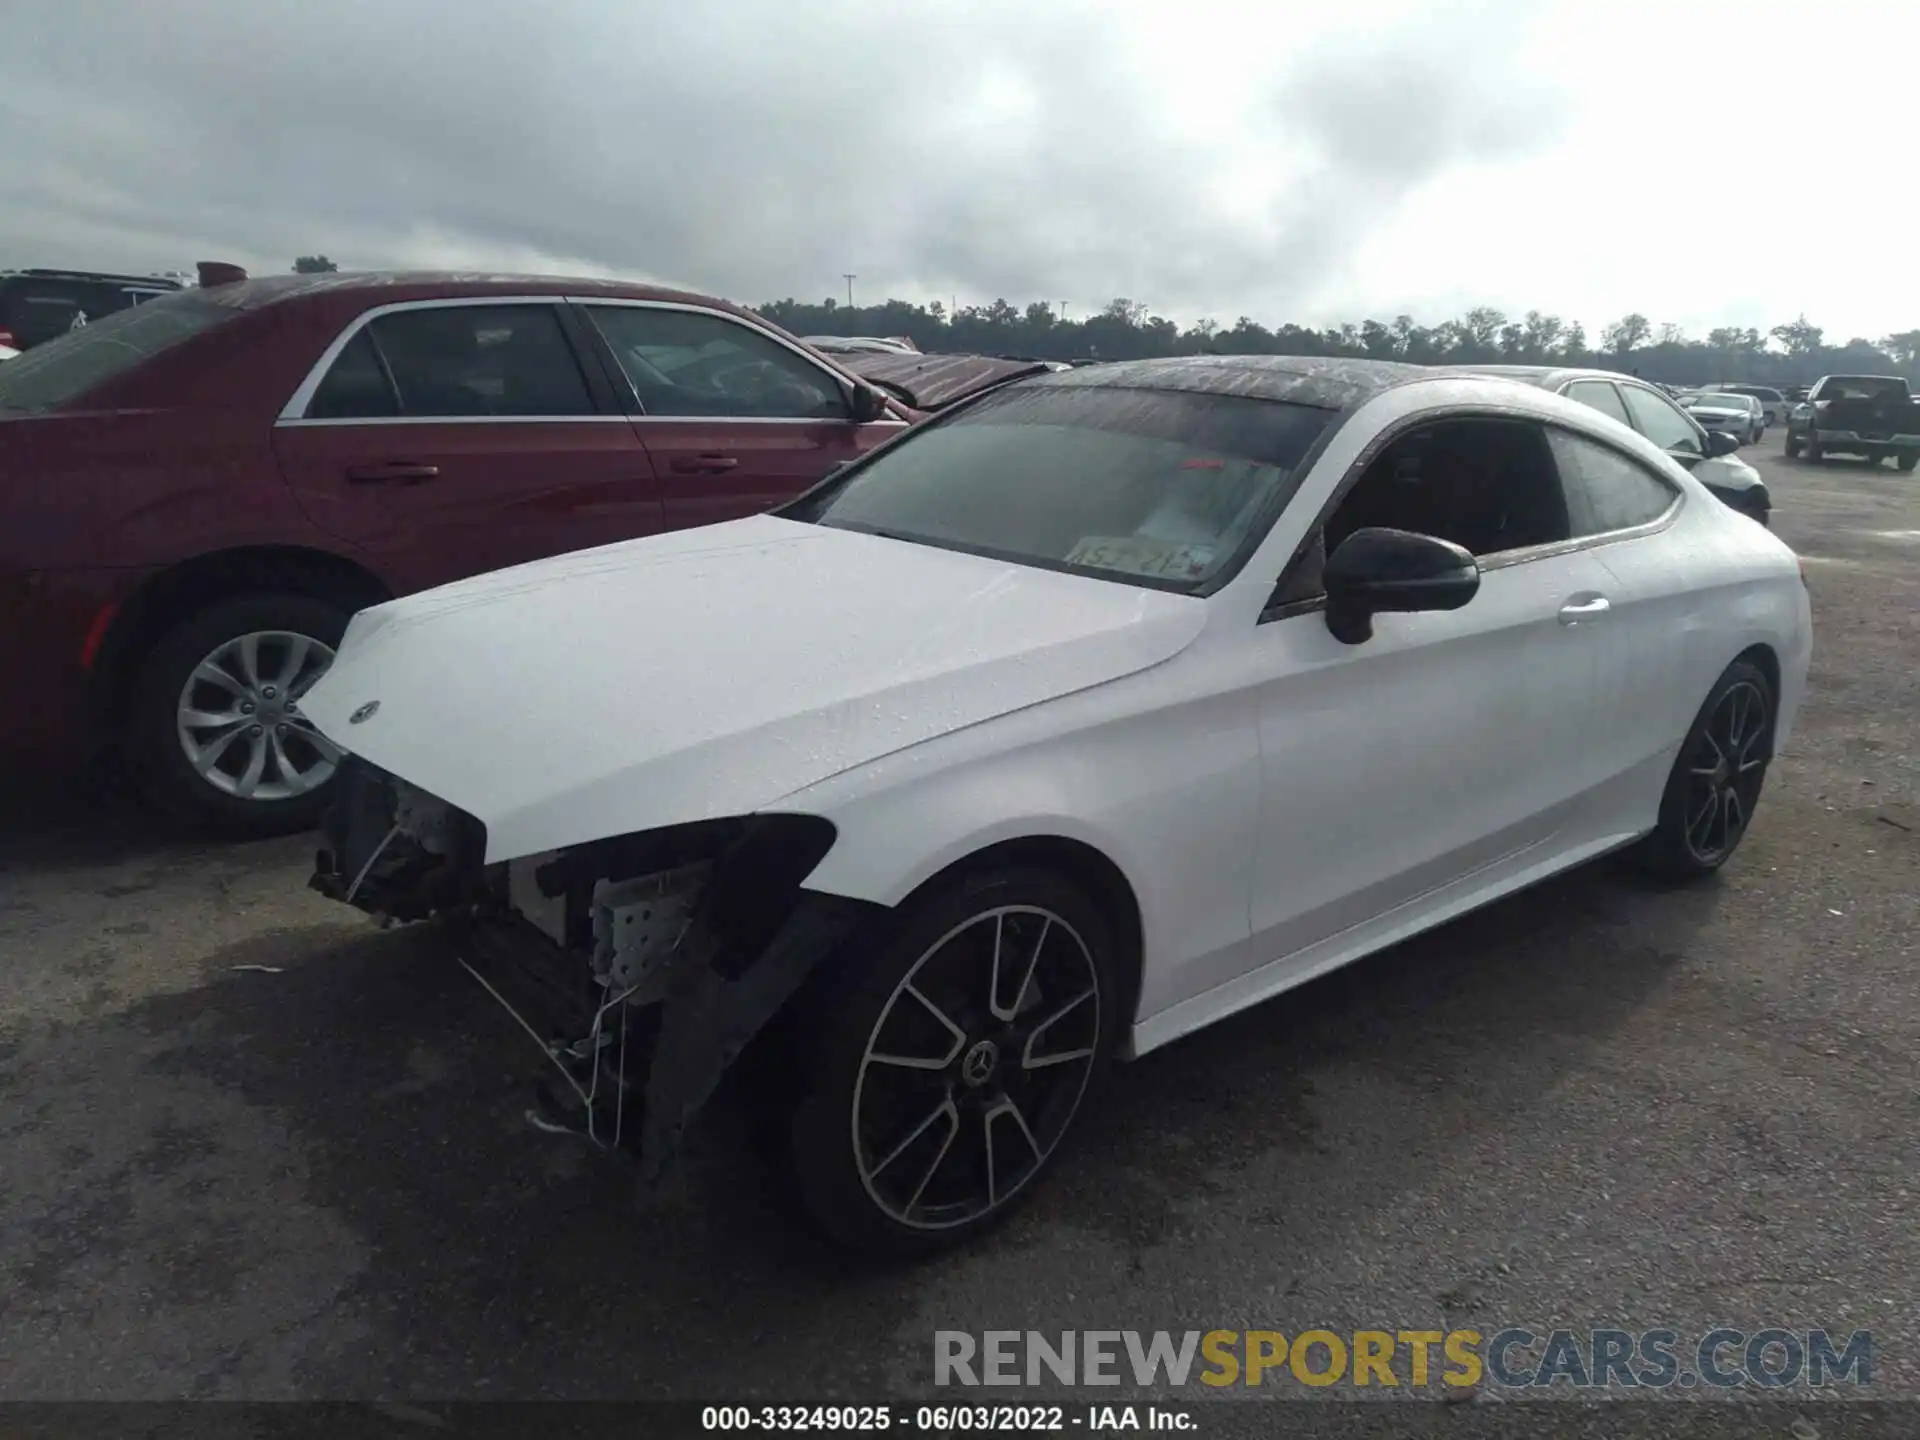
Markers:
63,370
1861,387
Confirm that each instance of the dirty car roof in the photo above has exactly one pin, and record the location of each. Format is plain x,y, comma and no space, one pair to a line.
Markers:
932,382
1332,382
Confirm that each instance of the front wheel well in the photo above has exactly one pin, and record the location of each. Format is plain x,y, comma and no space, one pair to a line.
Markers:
176,592
1769,663
1083,865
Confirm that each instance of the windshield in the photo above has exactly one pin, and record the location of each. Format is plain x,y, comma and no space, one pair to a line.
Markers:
1715,401
1862,387
64,369
1152,487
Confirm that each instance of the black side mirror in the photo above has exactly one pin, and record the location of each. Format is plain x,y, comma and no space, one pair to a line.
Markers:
1377,570
868,405
1719,443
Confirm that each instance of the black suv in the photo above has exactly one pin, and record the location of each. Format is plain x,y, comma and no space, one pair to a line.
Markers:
39,305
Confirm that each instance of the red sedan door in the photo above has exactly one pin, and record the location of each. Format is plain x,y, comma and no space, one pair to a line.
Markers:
735,419
450,438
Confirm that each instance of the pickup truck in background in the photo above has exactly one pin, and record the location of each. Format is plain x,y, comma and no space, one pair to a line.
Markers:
1872,416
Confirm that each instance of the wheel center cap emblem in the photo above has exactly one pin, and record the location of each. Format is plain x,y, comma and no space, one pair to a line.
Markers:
365,712
980,1062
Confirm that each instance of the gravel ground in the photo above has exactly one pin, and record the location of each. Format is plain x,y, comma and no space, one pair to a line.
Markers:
1596,1104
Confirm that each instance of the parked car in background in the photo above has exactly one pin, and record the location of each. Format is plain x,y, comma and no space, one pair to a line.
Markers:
39,305
1871,416
1773,403
1642,407
862,344
1095,710
1738,415
935,382
196,494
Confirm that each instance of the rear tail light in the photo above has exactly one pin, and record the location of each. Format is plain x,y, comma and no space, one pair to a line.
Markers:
6,338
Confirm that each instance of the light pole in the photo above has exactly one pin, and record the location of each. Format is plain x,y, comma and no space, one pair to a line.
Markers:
850,279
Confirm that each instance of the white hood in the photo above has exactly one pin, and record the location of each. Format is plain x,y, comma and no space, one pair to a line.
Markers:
712,672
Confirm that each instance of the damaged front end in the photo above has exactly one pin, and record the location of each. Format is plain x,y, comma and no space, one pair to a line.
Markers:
641,965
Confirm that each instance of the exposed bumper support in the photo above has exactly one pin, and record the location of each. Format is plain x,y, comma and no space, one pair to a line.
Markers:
641,1046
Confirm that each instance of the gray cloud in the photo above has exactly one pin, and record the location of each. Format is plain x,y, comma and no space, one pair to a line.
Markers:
749,148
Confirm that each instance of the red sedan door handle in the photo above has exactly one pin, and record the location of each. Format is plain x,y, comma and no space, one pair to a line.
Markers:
392,472
703,464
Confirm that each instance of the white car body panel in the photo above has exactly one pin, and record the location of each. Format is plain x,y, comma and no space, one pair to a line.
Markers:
781,668
1278,802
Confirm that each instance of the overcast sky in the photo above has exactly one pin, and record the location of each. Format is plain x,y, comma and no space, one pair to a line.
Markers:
1703,163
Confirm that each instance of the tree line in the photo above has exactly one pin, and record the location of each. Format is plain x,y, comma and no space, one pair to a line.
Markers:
1795,353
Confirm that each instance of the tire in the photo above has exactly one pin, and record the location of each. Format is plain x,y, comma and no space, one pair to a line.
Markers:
1685,844
1814,453
284,800
1907,462
888,1159
1793,446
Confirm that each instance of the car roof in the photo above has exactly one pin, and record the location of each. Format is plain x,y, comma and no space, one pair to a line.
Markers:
92,277
1329,381
387,287
1547,377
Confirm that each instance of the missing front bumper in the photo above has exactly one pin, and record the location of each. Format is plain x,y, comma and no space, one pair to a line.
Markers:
637,1009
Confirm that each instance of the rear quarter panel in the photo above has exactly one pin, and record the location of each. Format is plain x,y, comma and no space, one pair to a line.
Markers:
143,488
173,459
1710,587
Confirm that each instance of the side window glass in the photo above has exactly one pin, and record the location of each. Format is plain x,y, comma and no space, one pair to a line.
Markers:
356,387
684,363
460,360
45,309
1662,422
1605,490
1488,485
1601,396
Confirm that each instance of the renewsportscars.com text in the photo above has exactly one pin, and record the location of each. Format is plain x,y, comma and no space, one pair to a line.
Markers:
1514,1357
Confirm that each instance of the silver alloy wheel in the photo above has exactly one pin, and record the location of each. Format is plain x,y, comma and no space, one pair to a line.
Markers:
239,720
1724,772
976,1067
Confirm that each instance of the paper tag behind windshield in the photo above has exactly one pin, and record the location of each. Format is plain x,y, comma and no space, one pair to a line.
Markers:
1143,555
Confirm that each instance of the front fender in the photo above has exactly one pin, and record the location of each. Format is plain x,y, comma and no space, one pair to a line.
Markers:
1169,795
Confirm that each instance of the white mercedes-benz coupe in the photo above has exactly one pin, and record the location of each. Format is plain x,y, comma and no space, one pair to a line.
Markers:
1092,711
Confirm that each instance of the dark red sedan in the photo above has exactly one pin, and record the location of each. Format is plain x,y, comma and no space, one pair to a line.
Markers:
197,493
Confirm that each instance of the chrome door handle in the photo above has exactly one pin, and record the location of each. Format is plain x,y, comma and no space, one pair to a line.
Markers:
1592,607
